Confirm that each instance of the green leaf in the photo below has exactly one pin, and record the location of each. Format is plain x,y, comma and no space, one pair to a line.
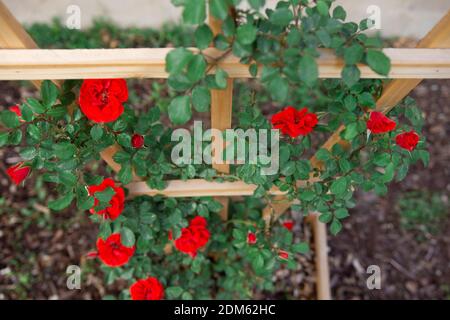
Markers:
246,34
62,202
35,105
325,217
105,195
3,138
335,227
27,113
341,213
353,54
64,150
177,60
308,70
203,36
221,78
219,8
194,11
28,153
173,292
96,132
127,237
124,139
281,17
351,131
378,62
350,103
49,93
67,178
180,110
350,75
339,13
339,186
125,174
57,112
302,247
257,4
322,8
279,89
201,98
34,132
9,119
388,173
196,68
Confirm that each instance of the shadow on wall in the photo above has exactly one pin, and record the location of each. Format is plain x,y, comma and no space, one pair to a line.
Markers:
410,18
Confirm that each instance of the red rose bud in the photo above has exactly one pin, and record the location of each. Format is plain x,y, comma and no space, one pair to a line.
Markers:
18,172
147,289
288,224
379,123
251,238
101,100
112,252
193,237
283,255
137,141
294,123
92,255
116,203
16,110
407,140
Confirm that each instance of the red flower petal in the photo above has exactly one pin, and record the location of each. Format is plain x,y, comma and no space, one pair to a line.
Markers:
379,123
112,252
18,172
407,140
147,289
101,100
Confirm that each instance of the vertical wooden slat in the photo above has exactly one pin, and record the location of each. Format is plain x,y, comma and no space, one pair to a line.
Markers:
321,257
14,36
221,115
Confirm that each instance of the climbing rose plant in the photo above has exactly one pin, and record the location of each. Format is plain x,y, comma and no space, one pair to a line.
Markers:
181,248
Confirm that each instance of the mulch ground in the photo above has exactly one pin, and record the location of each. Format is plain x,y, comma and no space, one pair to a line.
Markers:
36,247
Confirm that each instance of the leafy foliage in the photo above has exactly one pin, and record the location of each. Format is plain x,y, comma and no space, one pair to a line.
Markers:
280,46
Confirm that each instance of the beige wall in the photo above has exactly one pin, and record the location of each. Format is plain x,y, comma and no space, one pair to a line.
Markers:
398,17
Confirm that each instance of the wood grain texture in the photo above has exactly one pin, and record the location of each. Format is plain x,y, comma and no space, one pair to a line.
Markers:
221,117
36,64
13,35
321,257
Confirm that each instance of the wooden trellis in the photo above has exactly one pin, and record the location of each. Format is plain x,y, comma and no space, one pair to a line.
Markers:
430,60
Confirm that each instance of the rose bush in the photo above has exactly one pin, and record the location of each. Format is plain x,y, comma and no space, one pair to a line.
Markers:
180,248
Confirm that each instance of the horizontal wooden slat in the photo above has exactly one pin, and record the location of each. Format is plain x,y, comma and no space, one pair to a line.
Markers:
33,64
197,188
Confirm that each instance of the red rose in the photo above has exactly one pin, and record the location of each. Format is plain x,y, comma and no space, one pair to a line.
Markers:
194,237
379,123
18,172
288,224
101,99
293,122
116,202
137,141
407,140
112,252
283,255
16,110
147,289
251,238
